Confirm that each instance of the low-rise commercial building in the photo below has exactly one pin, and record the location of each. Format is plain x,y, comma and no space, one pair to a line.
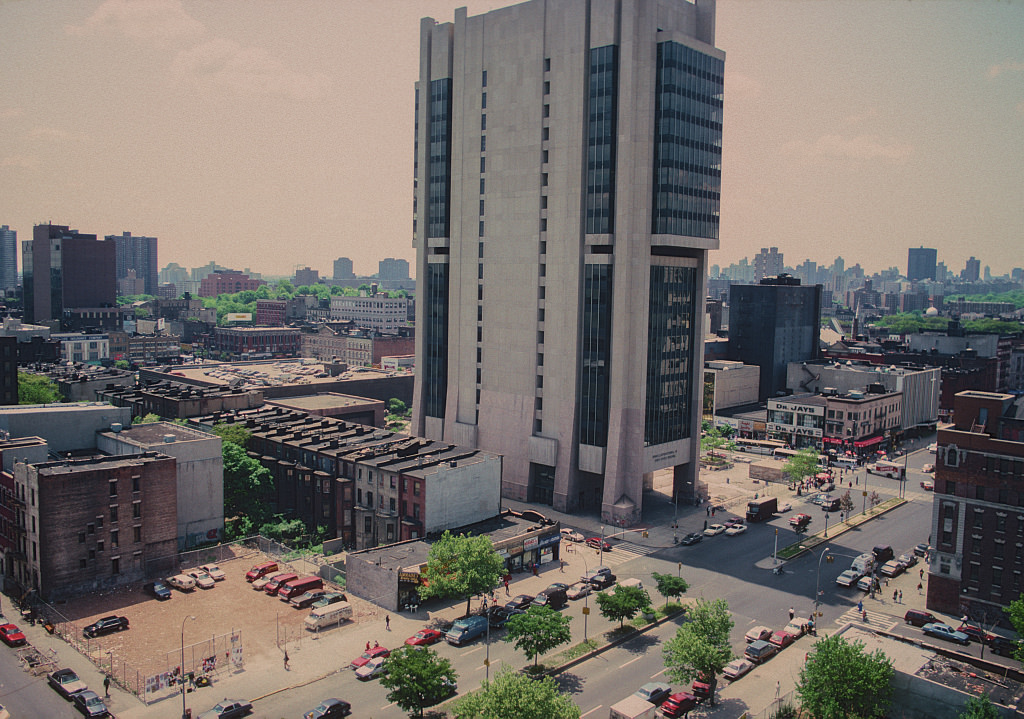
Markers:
256,342
799,420
862,421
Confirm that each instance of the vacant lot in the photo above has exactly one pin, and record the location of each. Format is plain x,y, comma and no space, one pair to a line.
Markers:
153,644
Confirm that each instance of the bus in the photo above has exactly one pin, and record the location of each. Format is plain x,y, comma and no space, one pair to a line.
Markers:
758,446
787,454
888,469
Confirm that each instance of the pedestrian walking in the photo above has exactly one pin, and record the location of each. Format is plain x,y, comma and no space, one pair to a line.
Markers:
919,587
778,688
287,668
106,686
506,585
792,613
705,524
367,646
901,596
895,594
387,622
860,606
561,566
708,510
920,572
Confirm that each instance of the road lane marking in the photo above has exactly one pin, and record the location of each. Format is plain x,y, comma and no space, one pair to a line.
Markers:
655,676
630,662
592,710
484,666
472,651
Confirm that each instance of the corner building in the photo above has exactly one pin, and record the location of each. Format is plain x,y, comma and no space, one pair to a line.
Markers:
568,165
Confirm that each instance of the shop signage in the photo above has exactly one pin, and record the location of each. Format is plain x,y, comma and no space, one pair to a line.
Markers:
530,543
548,541
413,577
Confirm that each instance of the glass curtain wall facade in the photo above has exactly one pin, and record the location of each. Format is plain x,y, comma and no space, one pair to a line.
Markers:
670,353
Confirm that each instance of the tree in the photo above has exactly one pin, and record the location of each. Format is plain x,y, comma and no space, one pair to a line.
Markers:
247,485
670,586
802,465
624,604
461,566
122,364
701,647
840,679
37,389
147,418
513,695
538,630
417,677
397,406
234,433
846,503
1015,613
979,708
713,440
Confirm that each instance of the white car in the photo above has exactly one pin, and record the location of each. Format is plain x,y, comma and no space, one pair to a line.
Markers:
216,573
572,535
203,580
737,668
714,529
848,578
579,590
372,668
932,447
928,468
735,529
785,507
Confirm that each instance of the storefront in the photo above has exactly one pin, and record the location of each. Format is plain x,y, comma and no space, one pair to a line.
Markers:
522,552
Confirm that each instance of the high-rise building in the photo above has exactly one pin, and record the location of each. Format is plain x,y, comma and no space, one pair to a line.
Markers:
8,258
921,263
63,269
972,270
772,324
768,263
139,254
343,269
569,156
393,270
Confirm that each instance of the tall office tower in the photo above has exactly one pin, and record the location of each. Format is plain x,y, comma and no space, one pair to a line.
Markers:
570,154
8,258
343,269
941,272
63,269
139,254
972,270
393,270
921,263
768,263
772,324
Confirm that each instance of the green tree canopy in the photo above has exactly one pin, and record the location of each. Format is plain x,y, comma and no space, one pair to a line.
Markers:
122,364
980,708
802,465
36,389
701,646
714,439
624,604
840,680
538,630
513,695
397,406
461,566
417,677
234,433
670,586
147,418
1015,613
247,487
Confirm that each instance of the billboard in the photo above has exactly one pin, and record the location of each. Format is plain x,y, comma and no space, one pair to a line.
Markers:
238,317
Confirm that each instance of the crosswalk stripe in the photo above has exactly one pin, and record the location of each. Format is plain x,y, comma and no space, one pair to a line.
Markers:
875,619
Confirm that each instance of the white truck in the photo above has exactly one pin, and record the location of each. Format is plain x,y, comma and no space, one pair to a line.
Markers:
633,707
328,616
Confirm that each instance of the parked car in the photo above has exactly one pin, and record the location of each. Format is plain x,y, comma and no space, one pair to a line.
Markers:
181,582
203,580
578,590
919,617
65,682
785,507
330,598
90,704
737,668
106,626
679,704
466,630
848,578
928,485
598,543
554,598
216,573
654,692
781,638
883,553
11,635
921,549
276,582
329,709
760,651
944,631
797,627
892,568
157,589
603,581
424,637
701,687
691,538
714,529
499,616
758,633
371,653
260,570
735,530
928,468
976,633
866,583
908,559
372,669
1002,646
594,573
227,709
799,520
306,599
520,601
571,535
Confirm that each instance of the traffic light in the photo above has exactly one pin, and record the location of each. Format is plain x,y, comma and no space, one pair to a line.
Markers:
829,559
645,534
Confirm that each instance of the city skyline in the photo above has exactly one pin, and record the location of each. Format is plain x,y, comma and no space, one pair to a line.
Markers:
230,134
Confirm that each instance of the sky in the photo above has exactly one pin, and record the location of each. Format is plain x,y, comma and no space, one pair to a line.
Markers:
273,135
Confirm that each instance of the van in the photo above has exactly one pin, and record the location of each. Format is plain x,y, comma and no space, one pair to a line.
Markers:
260,570
919,618
864,563
883,553
845,462
554,598
760,651
328,616
466,630
299,586
277,583
182,582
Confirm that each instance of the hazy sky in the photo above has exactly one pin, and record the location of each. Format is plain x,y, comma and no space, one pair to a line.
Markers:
276,135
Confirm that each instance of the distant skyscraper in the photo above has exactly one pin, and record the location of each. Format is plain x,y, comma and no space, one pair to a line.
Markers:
343,269
8,258
392,270
941,272
139,254
173,273
64,269
305,277
767,263
921,263
972,270
839,266
569,162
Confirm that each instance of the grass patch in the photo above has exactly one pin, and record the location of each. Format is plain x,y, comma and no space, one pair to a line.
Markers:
571,653
669,608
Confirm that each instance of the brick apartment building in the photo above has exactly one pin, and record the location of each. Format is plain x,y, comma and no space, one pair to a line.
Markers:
270,313
222,282
179,401
978,514
256,342
357,348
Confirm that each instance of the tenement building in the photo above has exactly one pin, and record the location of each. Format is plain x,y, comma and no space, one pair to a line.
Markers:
978,512
568,160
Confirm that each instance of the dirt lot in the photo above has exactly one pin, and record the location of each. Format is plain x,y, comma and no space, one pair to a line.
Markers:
153,644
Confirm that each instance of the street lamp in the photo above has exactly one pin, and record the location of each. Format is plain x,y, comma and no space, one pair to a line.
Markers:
817,583
586,607
184,711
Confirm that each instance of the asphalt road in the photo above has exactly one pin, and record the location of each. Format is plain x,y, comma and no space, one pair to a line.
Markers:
24,695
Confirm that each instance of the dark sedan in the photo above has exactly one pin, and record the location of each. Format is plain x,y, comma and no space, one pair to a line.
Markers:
692,538
228,709
329,709
106,626
90,704
520,601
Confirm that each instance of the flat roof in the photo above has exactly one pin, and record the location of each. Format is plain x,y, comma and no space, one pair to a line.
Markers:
154,433
268,373
326,400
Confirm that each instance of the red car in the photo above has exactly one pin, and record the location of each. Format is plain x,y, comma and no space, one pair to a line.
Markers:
368,655
595,542
781,639
799,520
679,704
11,635
424,637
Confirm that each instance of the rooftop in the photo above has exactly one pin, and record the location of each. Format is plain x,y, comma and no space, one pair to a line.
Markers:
154,433
326,400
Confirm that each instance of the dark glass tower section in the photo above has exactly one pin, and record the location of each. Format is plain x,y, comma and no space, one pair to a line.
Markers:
670,353
601,140
596,352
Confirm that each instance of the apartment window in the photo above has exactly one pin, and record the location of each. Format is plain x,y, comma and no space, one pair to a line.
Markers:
540,381
90,528
547,87
392,504
547,64
359,496
544,179
540,337
999,550
81,537
136,510
99,546
114,538
416,511
135,483
483,165
99,522
479,334
483,78
543,224
541,292
81,564
482,185
544,156
137,534
544,201
483,100
481,230
416,489
979,519
545,133
540,315
543,247
483,122
367,525
540,359
394,482
997,577
113,488
1000,523
115,565
92,552
369,499
479,356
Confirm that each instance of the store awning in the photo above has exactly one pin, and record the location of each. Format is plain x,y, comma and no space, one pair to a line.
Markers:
868,442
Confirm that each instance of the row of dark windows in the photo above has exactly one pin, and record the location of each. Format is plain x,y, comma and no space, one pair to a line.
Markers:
670,351
595,343
603,84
